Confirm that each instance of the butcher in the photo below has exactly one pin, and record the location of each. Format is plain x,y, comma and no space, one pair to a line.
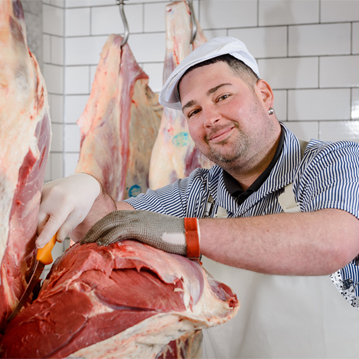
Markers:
275,217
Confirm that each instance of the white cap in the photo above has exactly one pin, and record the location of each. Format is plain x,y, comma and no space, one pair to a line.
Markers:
218,46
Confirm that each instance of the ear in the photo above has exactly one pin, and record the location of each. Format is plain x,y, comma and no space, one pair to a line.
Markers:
265,93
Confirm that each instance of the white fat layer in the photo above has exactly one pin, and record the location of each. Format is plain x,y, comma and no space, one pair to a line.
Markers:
144,340
174,238
147,338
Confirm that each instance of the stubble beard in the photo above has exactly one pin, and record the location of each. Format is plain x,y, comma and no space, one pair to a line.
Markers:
236,151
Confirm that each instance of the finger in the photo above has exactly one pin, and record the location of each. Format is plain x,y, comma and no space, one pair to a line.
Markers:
52,226
99,229
71,222
41,221
115,235
47,232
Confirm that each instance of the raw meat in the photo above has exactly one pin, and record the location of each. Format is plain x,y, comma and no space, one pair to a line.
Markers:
119,124
174,154
127,300
25,138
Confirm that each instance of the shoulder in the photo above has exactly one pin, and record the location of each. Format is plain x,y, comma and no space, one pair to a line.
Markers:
341,154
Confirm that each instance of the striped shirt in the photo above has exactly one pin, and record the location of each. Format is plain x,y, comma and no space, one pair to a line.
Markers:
326,177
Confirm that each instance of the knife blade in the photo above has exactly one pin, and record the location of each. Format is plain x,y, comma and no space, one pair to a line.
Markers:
43,257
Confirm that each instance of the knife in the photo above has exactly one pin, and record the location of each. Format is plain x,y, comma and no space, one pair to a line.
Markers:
43,257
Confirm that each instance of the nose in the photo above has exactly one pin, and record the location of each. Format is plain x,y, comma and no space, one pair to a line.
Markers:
211,116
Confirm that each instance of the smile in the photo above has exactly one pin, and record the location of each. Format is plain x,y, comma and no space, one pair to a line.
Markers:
221,135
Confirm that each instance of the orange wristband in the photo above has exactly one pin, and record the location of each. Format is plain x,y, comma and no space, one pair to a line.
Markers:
192,238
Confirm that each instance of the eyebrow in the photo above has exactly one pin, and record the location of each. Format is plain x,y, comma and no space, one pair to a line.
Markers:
209,92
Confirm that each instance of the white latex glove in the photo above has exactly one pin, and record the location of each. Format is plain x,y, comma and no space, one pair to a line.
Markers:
65,203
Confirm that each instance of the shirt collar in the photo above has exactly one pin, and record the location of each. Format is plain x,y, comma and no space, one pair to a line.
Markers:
234,188
281,175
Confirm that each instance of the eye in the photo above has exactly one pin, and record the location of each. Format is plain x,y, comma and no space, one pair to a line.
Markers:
192,113
222,97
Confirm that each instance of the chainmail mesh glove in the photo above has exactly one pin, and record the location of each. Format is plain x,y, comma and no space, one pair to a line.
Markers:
157,230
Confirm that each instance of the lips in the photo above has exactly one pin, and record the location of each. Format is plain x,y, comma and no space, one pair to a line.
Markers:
220,134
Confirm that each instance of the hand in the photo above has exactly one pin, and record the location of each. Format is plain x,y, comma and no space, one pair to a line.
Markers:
158,230
65,204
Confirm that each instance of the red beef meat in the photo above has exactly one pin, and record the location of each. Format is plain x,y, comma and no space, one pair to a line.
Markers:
117,301
25,140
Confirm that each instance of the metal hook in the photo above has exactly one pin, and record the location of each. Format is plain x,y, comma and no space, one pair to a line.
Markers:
121,4
193,21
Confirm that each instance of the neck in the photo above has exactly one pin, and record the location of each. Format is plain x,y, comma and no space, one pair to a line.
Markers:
247,173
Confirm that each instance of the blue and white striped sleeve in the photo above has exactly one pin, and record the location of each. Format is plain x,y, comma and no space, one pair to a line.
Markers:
329,178
171,199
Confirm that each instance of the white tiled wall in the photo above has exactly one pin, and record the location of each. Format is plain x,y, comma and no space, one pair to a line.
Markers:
308,51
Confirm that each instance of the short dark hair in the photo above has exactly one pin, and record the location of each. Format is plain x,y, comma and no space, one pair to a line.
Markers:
239,68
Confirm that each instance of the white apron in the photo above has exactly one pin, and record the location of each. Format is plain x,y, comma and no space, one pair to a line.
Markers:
283,316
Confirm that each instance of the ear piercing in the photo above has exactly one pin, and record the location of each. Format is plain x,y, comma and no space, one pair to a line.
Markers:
270,111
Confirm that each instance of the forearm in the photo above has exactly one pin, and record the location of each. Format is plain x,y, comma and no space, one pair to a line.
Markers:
314,243
103,205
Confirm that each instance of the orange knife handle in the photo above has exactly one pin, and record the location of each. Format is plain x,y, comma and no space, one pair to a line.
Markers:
44,254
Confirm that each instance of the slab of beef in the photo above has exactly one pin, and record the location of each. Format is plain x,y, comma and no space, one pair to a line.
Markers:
127,300
24,138
119,124
174,154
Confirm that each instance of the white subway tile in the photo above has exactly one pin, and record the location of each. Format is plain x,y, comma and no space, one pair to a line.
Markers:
57,251
210,34
148,47
46,48
287,12
77,80
57,108
355,104
59,3
280,104
227,13
77,22
304,130
57,166
290,72
339,10
71,160
84,50
102,2
107,20
74,106
66,244
154,17
323,39
57,50
263,42
72,138
154,72
77,3
319,104
53,76
339,71
339,130
355,38
52,20
147,1
57,138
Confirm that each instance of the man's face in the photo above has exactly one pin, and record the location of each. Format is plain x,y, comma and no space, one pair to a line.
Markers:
227,120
